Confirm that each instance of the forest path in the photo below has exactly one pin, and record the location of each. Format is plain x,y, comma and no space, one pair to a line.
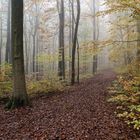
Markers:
80,113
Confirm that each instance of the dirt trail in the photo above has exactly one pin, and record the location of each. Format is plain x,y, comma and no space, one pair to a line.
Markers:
80,113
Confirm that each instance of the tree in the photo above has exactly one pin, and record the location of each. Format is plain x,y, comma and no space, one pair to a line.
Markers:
138,45
61,62
34,36
8,58
132,7
70,35
0,39
95,57
75,42
19,96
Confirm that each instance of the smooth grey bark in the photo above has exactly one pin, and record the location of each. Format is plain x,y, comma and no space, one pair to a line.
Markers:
35,49
73,19
8,57
78,62
1,40
138,46
75,42
26,49
61,62
19,96
95,57
70,36
138,42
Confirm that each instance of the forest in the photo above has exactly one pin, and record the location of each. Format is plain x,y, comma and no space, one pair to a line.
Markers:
69,69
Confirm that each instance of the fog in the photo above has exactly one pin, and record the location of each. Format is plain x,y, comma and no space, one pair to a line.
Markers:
41,36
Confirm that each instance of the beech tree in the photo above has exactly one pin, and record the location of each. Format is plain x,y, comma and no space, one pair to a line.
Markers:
8,58
0,38
19,96
138,42
75,42
94,37
61,61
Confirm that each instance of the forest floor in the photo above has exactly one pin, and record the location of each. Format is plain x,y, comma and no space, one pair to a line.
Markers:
81,112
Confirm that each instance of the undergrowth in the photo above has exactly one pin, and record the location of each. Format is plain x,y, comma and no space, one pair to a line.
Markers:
34,87
5,79
44,86
125,93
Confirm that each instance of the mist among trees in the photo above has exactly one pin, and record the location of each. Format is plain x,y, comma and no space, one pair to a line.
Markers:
66,66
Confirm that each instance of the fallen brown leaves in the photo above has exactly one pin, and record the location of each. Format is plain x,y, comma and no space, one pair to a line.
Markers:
80,113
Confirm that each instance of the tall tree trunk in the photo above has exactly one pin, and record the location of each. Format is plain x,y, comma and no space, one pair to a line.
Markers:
1,41
34,50
73,19
37,52
94,20
8,57
35,39
94,37
75,41
78,62
138,46
19,96
138,42
26,51
70,37
61,62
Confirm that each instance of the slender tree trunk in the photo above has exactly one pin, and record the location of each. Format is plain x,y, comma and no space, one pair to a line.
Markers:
94,21
74,42
73,19
34,50
70,37
94,37
30,66
138,43
138,46
63,44
34,36
8,57
78,63
61,62
19,96
27,61
26,51
1,41
37,37
37,52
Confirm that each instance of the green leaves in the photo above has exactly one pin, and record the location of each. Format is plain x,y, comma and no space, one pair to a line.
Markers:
126,94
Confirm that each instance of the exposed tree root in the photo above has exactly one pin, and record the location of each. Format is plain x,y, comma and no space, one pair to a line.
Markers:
17,102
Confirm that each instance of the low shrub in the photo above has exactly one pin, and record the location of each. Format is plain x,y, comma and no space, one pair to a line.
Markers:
125,92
